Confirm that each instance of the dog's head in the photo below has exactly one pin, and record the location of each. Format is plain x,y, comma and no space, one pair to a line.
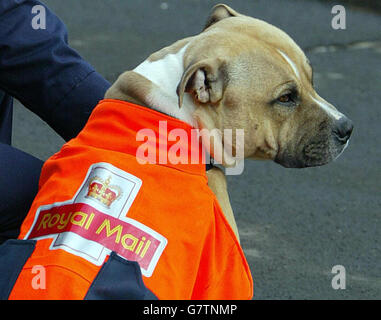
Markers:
244,73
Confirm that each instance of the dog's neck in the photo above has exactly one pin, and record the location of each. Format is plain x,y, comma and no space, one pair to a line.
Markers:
165,74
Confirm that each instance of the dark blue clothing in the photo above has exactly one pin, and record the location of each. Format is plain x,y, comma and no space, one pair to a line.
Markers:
53,81
6,108
49,78
118,279
19,175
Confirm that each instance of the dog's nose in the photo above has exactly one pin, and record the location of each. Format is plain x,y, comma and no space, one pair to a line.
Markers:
343,129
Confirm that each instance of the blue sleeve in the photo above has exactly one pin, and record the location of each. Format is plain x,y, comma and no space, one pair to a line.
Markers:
19,177
43,72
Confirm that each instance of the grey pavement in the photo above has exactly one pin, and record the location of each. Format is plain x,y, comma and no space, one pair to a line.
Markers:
295,224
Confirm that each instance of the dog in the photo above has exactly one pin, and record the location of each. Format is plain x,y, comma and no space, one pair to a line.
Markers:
229,74
102,218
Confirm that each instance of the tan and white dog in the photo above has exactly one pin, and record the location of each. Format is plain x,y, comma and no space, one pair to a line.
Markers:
241,73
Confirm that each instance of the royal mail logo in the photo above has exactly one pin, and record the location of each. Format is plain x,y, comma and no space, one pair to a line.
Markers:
94,222
101,191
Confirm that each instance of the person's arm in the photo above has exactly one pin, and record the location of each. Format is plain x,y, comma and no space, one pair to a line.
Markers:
43,72
19,175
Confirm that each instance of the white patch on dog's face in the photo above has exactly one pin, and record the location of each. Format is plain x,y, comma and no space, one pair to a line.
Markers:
328,109
289,61
333,113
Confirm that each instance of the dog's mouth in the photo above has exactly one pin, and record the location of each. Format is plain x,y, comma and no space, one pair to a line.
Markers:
316,153
288,161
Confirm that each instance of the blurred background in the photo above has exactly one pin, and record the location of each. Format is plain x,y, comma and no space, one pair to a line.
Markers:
295,224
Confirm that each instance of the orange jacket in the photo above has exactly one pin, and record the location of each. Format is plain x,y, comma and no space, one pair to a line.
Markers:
95,197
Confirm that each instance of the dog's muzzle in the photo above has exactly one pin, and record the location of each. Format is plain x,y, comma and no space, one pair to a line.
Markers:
319,149
342,130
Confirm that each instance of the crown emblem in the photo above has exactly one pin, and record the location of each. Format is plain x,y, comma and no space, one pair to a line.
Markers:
102,191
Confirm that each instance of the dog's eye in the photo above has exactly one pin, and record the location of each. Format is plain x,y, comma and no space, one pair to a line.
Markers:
286,98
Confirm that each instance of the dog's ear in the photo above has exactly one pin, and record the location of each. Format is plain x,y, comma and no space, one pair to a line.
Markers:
205,80
219,12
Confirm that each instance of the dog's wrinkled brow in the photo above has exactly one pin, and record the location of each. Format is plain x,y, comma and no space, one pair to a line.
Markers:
290,62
